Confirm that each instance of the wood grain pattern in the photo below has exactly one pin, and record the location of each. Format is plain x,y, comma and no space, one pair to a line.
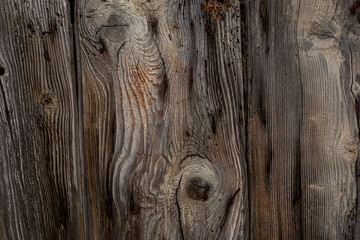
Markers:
40,186
354,63
164,144
330,137
274,121
174,119
303,129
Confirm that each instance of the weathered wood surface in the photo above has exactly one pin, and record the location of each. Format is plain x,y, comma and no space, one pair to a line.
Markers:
354,50
174,119
164,139
40,171
303,129
274,102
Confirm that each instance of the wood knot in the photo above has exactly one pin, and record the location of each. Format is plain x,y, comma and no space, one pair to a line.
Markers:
199,180
47,99
48,102
198,189
348,149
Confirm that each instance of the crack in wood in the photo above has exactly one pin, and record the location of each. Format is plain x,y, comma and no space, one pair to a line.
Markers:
179,209
229,204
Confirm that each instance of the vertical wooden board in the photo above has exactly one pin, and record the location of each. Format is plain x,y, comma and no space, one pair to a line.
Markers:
274,115
303,130
354,38
40,192
164,140
329,129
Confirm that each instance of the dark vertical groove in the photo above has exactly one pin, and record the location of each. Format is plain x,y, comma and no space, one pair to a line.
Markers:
244,55
179,210
269,162
357,168
357,112
298,180
72,11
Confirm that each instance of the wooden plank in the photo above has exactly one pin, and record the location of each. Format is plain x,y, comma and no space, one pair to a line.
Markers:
274,90
164,138
354,41
329,129
303,130
40,191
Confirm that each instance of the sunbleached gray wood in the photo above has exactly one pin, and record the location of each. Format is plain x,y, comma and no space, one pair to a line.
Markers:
329,129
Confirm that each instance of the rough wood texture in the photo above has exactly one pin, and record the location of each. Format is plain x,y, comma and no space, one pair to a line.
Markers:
354,48
164,139
39,169
274,120
303,129
329,132
174,119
